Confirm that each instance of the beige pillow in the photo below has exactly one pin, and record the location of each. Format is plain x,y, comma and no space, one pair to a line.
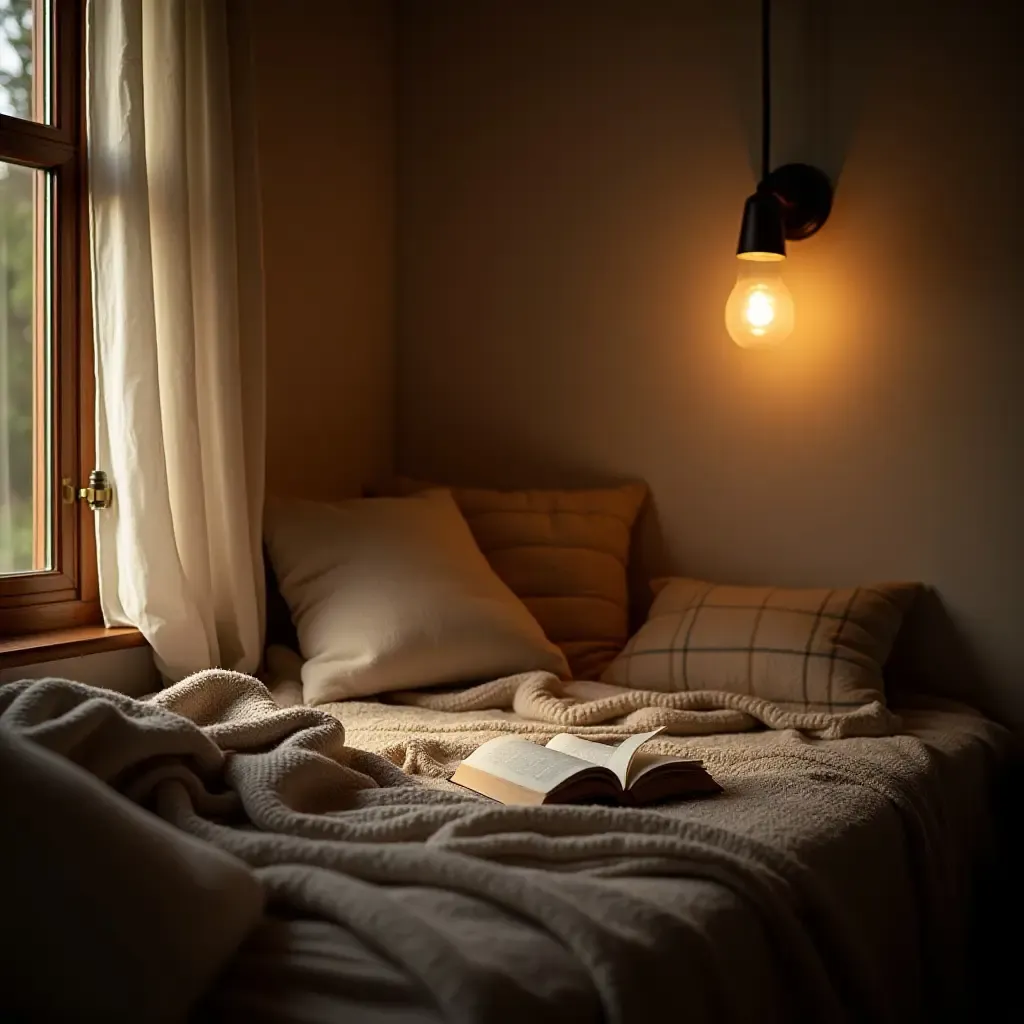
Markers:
564,553
393,593
822,650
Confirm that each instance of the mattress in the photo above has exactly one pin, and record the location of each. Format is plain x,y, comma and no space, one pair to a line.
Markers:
831,880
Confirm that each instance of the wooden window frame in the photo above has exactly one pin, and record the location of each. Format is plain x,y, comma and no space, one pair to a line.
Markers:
67,595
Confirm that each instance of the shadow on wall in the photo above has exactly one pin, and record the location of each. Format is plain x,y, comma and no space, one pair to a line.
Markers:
820,89
933,655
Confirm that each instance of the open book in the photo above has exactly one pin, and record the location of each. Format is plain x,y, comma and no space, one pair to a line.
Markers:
572,770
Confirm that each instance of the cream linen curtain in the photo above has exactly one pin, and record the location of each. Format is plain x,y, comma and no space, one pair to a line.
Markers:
179,328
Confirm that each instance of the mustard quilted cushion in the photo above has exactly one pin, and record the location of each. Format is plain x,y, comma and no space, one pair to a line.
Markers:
564,554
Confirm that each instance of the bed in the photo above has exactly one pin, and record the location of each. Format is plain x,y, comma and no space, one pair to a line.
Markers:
294,849
832,879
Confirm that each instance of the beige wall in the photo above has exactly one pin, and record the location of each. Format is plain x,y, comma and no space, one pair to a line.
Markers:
570,185
324,76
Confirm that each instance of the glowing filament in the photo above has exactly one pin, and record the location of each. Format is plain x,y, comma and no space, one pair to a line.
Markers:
760,311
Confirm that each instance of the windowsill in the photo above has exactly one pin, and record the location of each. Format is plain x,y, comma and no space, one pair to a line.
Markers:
65,643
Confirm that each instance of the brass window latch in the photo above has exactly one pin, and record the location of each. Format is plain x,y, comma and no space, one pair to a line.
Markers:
98,495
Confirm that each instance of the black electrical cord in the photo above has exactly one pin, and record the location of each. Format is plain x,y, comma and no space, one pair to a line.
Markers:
766,87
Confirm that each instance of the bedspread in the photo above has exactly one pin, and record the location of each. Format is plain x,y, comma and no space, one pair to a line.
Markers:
828,882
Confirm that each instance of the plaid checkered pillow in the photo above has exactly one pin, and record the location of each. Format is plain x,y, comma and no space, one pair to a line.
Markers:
819,650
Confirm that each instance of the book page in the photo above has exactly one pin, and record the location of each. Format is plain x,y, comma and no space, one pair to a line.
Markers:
645,762
585,750
617,758
496,787
525,764
654,777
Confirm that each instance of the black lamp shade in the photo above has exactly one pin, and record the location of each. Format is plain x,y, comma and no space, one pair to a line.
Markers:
763,234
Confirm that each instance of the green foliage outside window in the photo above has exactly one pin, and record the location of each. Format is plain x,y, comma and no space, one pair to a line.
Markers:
17,227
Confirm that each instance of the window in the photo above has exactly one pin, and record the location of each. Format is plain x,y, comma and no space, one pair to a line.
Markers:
47,547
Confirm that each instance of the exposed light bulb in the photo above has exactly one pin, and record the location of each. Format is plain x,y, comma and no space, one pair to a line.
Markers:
759,312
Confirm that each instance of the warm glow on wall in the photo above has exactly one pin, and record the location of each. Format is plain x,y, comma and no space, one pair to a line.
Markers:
791,202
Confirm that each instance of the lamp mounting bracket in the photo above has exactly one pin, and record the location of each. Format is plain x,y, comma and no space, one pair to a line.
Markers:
805,194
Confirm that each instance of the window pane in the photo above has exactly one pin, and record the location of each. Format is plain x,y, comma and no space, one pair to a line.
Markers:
25,498
24,85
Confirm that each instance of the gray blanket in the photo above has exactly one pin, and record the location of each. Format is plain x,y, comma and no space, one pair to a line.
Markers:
285,875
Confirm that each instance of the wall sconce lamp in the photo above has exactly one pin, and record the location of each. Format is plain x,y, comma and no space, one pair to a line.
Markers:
793,202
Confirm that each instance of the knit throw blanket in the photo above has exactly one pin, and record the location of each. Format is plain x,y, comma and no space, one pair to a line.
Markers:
427,732
244,858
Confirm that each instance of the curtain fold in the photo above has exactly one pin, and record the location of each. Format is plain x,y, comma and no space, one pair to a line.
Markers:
178,319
